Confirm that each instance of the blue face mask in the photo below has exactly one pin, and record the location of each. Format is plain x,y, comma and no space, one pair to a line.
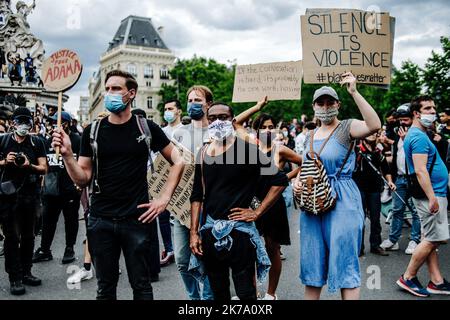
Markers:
114,103
195,111
169,116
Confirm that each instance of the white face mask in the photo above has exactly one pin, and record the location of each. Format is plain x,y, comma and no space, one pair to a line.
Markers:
220,130
326,115
427,120
22,130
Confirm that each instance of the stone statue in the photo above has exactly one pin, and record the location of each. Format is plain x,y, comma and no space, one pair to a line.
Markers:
15,34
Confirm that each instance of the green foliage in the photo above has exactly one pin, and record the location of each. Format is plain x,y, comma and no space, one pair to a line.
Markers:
436,75
406,83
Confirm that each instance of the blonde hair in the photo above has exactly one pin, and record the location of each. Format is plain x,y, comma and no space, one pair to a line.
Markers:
205,91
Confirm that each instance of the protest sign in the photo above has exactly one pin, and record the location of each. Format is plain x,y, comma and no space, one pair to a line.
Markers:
179,205
335,41
278,81
61,71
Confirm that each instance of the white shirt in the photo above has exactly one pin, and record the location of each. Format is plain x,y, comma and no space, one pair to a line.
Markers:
300,143
401,169
169,130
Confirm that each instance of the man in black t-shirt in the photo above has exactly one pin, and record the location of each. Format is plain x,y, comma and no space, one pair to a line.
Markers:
225,183
121,217
60,194
23,160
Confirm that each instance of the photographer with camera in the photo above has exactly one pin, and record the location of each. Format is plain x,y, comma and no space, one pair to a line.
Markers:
23,160
398,170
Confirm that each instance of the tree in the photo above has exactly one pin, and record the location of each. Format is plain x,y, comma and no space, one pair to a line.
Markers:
436,75
405,85
199,71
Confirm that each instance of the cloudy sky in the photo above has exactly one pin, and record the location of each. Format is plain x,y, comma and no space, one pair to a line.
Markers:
248,31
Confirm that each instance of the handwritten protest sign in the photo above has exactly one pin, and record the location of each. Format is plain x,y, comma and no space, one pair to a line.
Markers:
60,73
335,41
179,205
278,81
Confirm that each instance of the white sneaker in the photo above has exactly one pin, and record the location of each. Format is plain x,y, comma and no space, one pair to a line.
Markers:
412,245
80,275
235,298
269,297
388,245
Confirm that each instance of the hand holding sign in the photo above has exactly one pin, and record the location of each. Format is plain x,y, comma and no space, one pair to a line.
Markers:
60,73
349,79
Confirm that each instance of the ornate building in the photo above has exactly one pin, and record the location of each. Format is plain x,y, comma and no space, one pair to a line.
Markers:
138,49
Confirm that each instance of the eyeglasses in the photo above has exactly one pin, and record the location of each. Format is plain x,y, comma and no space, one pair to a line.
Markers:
221,117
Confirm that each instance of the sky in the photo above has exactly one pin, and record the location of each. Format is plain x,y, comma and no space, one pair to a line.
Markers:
241,31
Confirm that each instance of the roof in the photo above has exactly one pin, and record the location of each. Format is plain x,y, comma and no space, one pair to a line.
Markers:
137,31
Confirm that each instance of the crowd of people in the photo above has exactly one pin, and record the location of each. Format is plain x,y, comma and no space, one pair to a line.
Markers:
251,171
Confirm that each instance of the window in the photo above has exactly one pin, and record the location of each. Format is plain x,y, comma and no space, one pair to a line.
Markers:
132,69
150,102
149,84
164,73
148,72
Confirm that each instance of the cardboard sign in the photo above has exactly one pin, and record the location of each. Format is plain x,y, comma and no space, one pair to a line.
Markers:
278,81
179,205
61,71
336,41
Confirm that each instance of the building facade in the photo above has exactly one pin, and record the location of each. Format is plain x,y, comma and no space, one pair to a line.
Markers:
83,111
138,49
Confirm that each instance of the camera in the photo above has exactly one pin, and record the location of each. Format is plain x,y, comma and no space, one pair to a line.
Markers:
20,159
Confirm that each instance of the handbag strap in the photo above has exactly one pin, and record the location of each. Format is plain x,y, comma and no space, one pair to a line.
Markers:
311,144
349,152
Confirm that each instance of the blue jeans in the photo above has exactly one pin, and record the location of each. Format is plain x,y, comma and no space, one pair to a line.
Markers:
398,213
165,229
181,237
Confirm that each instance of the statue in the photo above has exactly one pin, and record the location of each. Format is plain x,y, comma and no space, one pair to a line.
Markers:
15,34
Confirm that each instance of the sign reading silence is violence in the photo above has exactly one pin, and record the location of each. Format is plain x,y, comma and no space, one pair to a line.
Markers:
336,41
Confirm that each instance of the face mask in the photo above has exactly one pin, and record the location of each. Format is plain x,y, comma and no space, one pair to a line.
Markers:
285,134
22,130
427,120
195,111
220,130
326,116
114,103
169,116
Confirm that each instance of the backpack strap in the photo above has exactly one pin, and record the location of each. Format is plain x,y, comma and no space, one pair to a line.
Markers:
202,160
349,152
147,135
93,186
5,141
311,142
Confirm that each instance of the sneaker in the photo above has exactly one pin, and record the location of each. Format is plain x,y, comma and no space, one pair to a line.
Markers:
40,256
443,288
30,280
69,255
235,298
389,246
16,288
413,286
167,258
282,256
379,251
2,252
269,297
412,245
80,275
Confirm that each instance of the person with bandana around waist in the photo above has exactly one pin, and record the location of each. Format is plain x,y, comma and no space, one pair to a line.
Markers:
330,243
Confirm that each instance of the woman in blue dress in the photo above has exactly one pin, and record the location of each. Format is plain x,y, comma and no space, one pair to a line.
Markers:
330,243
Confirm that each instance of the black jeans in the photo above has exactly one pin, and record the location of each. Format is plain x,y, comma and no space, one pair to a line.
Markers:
372,205
107,238
241,259
18,228
69,205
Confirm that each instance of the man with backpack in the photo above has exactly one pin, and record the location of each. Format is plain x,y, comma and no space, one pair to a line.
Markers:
113,158
23,160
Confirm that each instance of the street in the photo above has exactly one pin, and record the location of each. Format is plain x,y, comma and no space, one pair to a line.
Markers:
379,274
